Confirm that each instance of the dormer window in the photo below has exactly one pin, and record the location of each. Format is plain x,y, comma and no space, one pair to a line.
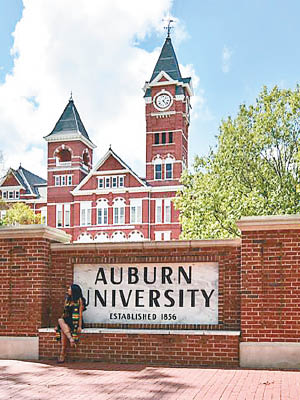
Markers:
114,182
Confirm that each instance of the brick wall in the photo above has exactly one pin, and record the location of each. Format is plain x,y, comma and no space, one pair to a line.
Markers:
158,349
25,276
270,284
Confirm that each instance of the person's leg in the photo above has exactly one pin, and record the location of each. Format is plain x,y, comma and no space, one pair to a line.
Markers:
64,342
66,330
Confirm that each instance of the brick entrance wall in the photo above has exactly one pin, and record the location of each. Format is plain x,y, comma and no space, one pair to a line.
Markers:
258,314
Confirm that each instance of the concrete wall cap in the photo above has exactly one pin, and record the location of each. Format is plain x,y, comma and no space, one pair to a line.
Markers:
34,231
152,331
147,245
269,222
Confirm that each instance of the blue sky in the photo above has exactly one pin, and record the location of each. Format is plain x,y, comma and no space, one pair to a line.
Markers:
234,48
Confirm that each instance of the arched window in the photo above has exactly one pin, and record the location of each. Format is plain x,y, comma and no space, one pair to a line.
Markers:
86,157
169,160
118,236
63,155
135,236
101,237
85,238
102,212
119,211
157,167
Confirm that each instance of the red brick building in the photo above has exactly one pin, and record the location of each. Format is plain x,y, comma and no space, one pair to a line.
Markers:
109,201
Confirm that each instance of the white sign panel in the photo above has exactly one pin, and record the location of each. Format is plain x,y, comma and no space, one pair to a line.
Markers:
185,293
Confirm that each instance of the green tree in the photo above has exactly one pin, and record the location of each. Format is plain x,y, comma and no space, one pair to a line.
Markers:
22,214
254,169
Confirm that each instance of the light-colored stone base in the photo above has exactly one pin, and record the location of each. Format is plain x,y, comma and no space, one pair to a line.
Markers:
269,355
19,348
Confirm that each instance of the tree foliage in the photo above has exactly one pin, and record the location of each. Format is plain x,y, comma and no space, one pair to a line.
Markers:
254,169
22,214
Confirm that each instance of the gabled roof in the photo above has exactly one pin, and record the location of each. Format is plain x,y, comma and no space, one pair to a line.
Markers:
109,153
167,62
29,181
69,121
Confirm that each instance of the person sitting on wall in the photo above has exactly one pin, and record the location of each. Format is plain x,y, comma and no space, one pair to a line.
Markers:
71,323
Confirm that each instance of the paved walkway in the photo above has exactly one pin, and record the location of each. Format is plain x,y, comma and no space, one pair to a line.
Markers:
98,381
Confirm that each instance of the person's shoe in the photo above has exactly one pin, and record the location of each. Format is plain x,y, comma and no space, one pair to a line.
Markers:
61,358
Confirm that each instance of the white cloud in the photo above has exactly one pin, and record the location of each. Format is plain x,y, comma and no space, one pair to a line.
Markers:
226,59
88,47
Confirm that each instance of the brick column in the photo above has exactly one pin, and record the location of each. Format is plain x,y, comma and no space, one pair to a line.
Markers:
25,297
270,291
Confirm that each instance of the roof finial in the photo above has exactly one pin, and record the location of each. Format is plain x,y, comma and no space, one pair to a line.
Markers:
169,27
71,96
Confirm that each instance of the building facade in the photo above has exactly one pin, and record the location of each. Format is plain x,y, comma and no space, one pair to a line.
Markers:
109,201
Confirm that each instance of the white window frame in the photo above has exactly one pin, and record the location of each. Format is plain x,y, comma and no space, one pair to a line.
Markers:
166,171
67,215
114,182
158,174
59,215
102,209
107,182
56,180
158,211
136,211
167,211
17,194
4,194
86,213
101,183
69,179
121,181
119,211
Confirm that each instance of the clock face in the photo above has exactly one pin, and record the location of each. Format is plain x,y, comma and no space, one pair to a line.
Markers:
163,101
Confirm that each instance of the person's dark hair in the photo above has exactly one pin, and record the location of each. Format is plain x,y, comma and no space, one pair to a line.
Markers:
77,294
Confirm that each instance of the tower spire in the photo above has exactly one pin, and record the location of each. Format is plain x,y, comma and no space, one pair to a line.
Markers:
169,27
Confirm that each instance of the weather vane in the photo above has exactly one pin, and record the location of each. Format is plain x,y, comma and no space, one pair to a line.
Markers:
71,97
169,27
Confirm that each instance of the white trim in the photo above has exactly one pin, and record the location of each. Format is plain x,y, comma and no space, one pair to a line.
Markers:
7,188
145,189
110,226
112,172
69,136
202,332
170,81
60,169
165,130
163,114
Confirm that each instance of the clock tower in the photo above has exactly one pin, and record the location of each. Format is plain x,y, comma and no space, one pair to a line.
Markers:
167,98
